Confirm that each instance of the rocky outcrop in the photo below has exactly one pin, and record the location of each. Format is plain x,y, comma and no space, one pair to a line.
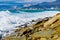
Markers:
45,29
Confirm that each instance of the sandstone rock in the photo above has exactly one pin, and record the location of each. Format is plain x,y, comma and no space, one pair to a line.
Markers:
44,29
43,39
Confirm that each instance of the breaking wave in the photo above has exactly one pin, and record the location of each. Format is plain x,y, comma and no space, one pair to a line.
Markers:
9,20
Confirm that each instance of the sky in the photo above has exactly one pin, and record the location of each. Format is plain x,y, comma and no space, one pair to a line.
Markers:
22,1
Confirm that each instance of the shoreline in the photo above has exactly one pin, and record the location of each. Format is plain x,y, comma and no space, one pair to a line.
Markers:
31,23
37,30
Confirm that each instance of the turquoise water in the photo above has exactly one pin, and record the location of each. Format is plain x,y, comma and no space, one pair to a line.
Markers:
31,11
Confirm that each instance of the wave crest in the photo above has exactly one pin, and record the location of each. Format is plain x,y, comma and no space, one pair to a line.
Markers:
8,20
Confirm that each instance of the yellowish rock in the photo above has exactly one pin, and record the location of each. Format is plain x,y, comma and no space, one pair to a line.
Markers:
48,29
55,21
43,39
58,38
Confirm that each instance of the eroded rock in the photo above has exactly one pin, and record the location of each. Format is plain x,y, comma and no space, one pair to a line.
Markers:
45,29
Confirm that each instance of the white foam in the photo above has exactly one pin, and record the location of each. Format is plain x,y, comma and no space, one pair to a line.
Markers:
9,21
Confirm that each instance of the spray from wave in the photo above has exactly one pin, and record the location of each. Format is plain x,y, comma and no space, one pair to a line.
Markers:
8,20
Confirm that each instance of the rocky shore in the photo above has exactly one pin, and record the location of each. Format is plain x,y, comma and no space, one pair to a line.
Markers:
41,29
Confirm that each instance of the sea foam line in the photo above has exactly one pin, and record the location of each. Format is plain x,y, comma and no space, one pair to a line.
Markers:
8,20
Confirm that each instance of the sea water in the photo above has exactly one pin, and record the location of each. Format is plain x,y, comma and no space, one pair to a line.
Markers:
10,19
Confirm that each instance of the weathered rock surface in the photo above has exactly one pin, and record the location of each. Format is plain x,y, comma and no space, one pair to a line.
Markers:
45,29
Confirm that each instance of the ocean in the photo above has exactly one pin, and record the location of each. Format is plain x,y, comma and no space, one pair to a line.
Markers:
9,19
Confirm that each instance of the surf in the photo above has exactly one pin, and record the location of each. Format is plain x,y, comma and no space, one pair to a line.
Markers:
9,20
